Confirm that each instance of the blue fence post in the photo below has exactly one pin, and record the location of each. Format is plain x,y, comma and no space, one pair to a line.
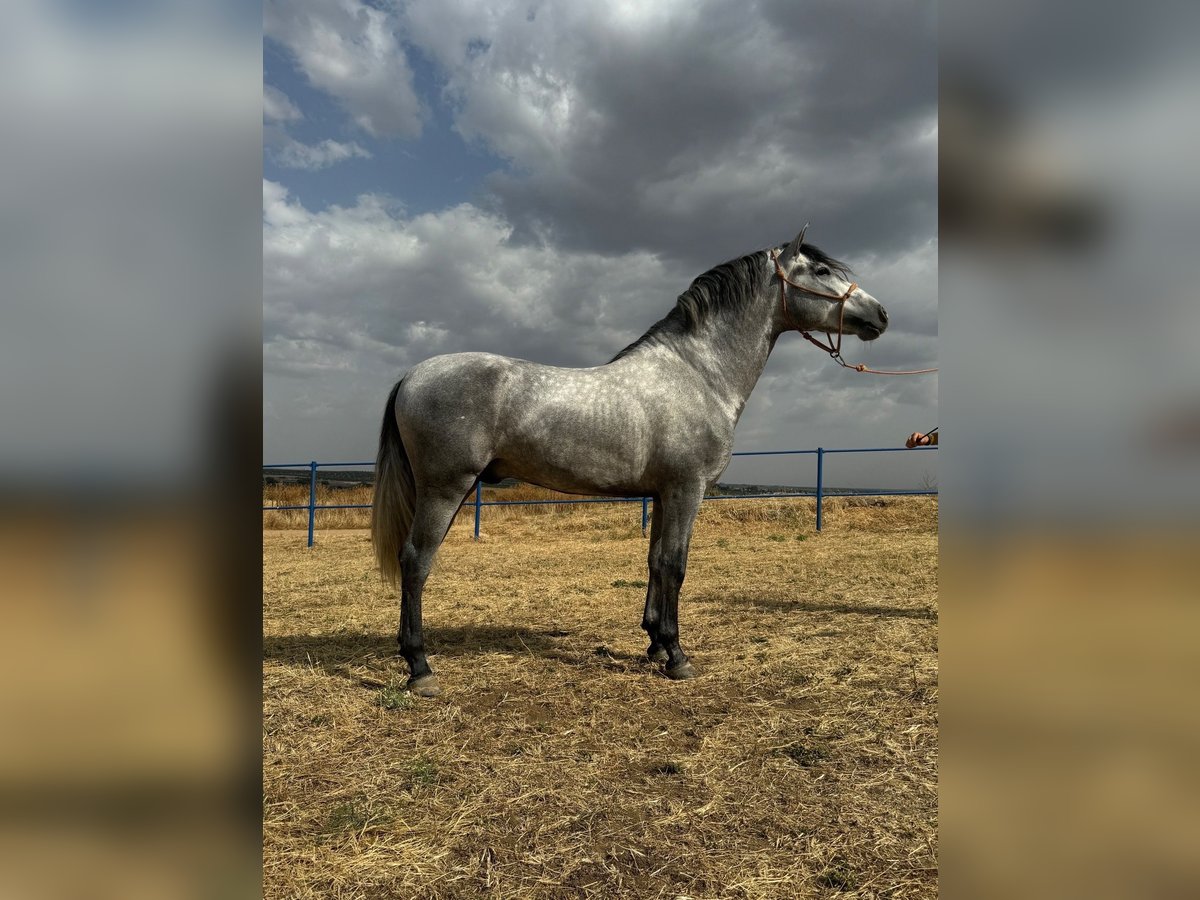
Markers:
478,506
312,500
645,515
820,482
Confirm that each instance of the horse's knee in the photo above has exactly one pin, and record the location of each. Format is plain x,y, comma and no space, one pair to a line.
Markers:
672,569
654,557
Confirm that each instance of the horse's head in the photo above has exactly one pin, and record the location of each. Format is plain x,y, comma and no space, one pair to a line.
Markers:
818,295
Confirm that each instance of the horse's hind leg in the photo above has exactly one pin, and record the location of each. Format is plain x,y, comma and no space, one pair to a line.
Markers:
435,510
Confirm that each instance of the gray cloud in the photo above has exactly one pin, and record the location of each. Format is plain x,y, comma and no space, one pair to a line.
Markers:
701,129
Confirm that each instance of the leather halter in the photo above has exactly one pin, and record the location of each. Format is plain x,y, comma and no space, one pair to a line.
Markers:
832,348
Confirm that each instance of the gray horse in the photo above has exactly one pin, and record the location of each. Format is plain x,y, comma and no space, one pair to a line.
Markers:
656,421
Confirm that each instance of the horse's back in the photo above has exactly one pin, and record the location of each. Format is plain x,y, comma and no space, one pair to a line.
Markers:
455,368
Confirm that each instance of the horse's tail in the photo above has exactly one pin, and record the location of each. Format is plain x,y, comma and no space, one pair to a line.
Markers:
395,491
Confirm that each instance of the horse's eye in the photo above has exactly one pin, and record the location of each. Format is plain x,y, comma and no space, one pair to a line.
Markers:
821,271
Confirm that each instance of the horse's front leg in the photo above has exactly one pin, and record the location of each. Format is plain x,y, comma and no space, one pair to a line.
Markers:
679,515
651,616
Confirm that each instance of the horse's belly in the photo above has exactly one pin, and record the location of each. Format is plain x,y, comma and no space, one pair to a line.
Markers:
576,457
557,478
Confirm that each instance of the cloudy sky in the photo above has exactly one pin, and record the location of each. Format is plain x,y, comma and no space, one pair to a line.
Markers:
543,180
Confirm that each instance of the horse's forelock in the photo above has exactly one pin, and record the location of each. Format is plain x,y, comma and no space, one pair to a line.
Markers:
816,255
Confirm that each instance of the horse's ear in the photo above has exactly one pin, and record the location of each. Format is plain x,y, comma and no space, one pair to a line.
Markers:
793,249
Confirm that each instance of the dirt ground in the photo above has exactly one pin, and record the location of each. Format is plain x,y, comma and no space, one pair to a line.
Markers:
560,763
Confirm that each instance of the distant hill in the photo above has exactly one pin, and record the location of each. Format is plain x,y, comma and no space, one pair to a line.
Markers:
334,478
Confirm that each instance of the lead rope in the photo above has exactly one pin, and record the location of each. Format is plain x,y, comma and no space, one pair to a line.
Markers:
834,350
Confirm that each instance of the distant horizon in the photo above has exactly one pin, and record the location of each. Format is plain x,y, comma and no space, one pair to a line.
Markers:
301,475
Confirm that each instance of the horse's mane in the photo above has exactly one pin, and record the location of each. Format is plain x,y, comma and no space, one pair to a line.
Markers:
729,286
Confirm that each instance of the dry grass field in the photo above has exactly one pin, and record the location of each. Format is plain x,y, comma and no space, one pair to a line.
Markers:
559,763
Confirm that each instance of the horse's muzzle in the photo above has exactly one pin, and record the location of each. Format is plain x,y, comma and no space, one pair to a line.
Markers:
864,329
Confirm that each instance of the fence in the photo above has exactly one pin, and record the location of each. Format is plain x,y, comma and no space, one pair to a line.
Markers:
819,493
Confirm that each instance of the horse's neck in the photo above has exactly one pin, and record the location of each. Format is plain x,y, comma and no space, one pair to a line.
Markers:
731,351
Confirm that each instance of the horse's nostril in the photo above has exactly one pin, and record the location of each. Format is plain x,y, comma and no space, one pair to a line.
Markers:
883,315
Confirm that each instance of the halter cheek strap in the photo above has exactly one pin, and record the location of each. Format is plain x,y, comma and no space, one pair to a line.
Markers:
832,348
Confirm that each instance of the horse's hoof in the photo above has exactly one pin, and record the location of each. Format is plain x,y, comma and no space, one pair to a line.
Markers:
680,672
657,654
425,686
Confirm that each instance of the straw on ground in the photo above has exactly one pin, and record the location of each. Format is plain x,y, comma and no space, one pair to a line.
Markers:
802,763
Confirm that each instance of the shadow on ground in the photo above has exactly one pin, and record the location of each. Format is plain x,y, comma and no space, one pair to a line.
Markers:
786,604
337,653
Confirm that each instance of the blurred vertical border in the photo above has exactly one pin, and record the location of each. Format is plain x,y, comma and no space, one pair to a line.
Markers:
1070,466
130,440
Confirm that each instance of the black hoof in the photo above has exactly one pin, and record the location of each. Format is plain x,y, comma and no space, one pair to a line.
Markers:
681,672
425,686
657,654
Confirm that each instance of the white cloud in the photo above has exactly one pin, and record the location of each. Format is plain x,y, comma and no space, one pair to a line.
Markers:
293,154
277,107
370,280
350,50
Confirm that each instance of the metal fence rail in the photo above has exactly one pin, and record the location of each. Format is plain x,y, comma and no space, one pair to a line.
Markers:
819,493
